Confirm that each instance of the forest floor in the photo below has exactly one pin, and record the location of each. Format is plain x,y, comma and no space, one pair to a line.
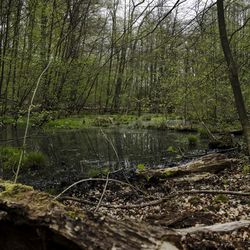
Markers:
52,120
181,210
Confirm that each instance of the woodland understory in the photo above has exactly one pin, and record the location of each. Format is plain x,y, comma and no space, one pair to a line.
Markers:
180,65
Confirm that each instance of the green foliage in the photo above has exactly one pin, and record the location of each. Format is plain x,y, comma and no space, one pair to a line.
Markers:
169,173
34,160
40,118
123,119
172,149
203,133
153,81
9,157
7,120
96,171
246,169
140,167
102,121
67,123
192,140
146,117
91,120
220,198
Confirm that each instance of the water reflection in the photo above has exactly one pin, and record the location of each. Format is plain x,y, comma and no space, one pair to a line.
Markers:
88,147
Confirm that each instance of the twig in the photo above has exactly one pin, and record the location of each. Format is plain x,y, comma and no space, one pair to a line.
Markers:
208,130
159,201
237,193
112,145
94,179
28,121
151,203
103,192
117,156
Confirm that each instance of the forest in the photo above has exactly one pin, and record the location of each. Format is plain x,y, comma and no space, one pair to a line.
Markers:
124,124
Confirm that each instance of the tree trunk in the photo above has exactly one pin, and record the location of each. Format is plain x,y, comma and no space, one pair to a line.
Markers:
33,220
233,74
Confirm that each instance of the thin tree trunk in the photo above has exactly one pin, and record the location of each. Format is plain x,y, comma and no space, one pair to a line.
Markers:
233,74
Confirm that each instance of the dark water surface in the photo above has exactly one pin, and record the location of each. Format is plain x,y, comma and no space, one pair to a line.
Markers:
82,153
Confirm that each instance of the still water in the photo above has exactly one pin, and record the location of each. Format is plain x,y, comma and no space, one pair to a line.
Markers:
81,152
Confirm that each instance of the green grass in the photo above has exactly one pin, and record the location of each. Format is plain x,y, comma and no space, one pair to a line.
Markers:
34,160
192,140
9,158
91,121
246,169
67,123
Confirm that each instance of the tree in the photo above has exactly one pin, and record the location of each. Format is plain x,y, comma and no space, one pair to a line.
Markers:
233,74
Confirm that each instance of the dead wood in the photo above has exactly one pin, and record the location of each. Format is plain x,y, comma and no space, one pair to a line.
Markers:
217,228
211,163
34,220
158,201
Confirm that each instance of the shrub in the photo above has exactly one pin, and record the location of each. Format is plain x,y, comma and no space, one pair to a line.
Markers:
172,149
203,133
146,117
9,158
34,160
192,140
102,121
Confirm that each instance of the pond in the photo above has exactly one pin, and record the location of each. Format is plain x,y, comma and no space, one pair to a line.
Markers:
83,153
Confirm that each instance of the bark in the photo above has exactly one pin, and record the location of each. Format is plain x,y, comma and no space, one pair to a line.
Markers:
33,220
218,228
233,74
212,163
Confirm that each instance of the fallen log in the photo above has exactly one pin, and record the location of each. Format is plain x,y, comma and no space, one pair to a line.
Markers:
211,163
217,228
34,220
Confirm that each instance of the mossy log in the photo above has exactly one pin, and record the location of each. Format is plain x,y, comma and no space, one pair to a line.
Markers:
211,163
34,220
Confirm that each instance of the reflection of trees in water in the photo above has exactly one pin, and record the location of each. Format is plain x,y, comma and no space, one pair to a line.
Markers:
71,147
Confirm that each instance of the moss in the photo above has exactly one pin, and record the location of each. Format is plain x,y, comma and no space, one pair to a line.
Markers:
102,121
220,198
71,214
124,119
67,123
246,169
168,173
172,149
140,167
10,189
146,117
192,140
